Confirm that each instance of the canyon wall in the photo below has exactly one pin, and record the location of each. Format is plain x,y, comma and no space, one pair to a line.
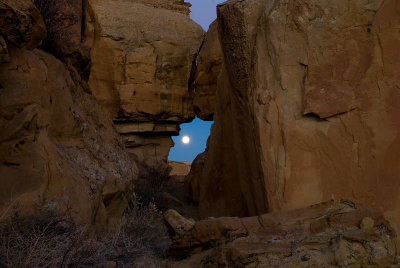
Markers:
142,57
306,108
58,149
208,68
74,75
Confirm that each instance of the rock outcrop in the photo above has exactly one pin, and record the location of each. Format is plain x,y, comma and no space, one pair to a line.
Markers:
307,106
328,234
64,21
58,149
209,64
179,170
142,57
21,23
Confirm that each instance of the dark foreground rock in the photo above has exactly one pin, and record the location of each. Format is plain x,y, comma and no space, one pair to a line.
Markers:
329,234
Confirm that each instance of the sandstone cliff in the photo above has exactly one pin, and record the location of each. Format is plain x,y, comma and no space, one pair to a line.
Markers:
57,147
306,108
142,57
208,69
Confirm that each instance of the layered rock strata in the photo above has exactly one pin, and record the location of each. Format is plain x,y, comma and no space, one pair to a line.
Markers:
330,234
307,106
142,58
58,149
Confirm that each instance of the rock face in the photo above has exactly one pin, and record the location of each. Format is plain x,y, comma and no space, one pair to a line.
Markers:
179,170
142,56
65,32
324,235
209,63
58,149
21,23
307,106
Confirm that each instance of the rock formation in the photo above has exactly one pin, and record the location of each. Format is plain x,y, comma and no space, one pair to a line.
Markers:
179,170
58,149
142,57
329,234
21,23
307,106
208,68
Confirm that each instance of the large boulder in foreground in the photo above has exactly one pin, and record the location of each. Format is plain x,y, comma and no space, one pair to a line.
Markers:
58,149
329,234
142,56
307,108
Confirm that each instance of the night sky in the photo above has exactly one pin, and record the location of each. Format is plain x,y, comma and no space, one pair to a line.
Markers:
203,12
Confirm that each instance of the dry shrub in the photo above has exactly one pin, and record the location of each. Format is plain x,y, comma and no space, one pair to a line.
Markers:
64,33
46,239
151,185
59,17
141,233
52,239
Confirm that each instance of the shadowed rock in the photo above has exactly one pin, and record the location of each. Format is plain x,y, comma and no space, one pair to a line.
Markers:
323,235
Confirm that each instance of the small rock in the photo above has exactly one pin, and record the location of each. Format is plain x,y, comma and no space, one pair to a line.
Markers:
177,222
367,223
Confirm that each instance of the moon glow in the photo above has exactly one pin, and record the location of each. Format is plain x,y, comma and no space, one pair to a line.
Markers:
185,139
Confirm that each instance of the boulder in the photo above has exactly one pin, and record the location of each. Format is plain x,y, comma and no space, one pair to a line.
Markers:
21,23
306,237
58,149
142,59
306,109
179,224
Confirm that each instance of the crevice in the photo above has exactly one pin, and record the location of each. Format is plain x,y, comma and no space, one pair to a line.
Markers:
11,164
316,116
355,141
83,22
192,80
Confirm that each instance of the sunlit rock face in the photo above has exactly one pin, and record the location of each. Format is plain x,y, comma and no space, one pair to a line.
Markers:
142,58
307,108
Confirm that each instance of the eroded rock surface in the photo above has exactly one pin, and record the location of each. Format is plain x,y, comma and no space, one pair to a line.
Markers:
209,64
307,107
323,235
21,23
142,57
58,149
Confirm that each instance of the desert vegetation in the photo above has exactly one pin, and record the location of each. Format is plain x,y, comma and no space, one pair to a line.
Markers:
49,238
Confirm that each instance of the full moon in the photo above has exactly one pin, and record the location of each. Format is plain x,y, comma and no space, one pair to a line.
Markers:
185,139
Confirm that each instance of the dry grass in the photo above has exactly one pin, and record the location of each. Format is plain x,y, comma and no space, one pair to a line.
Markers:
50,239
46,239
